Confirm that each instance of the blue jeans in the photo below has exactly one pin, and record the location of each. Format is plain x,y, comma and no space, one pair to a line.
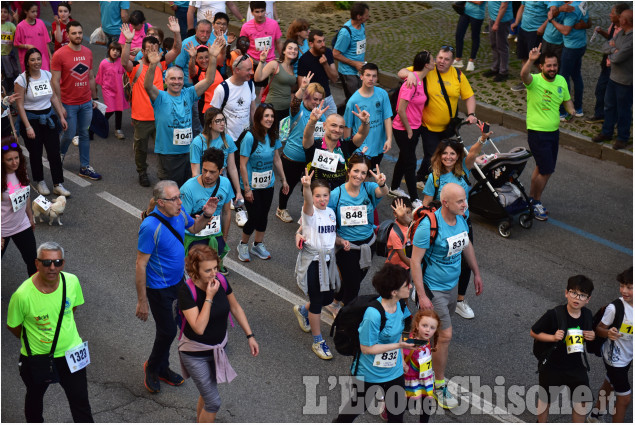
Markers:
600,90
78,118
618,109
461,29
181,15
572,68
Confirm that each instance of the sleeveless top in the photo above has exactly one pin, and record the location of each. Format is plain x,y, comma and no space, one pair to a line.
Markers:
280,89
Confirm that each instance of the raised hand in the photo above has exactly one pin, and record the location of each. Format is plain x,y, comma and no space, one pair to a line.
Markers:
379,177
399,208
127,33
364,116
216,47
209,15
318,111
534,54
190,49
173,25
210,206
306,80
306,179
153,54
263,55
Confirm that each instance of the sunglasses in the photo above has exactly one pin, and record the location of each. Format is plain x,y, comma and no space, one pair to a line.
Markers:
243,58
9,146
450,48
47,263
267,105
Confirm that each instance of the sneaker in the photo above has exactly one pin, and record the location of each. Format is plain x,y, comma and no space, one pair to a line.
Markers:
322,350
119,135
223,270
445,398
470,66
619,144
89,172
490,73
591,419
75,140
61,190
333,308
144,180
260,251
284,215
416,204
42,188
499,78
231,204
171,378
579,113
421,185
540,212
464,310
599,138
241,217
150,380
303,321
519,87
397,192
243,252
458,63
594,120
485,30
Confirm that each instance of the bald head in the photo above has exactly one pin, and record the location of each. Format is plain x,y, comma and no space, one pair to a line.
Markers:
454,199
334,127
450,191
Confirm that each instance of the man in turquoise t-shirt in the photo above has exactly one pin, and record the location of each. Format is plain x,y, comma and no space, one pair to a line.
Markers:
350,49
438,288
545,93
113,14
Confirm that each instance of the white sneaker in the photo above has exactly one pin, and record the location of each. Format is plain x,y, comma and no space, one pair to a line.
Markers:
397,192
42,188
231,204
464,310
284,215
470,66
458,63
76,140
61,190
416,204
119,135
241,217
445,398
322,350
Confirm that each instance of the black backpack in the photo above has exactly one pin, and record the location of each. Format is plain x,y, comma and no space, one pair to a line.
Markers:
238,141
338,33
383,233
226,91
345,328
595,346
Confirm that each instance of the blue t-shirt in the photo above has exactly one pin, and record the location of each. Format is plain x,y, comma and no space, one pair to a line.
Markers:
494,6
301,50
369,335
352,45
194,196
378,106
552,35
183,59
167,256
261,161
111,15
172,119
534,15
442,272
476,11
576,39
340,198
444,179
199,146
293,148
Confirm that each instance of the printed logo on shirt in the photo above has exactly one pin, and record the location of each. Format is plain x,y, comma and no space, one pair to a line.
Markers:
378,105
80,71
240,101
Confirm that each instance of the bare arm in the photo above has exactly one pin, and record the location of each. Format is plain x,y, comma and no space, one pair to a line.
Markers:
234,9
337,55
140,282
277,163
249,196
241,318
19,102
233,173
307,206
383,348
501,13
173,25
92,84
417,276
252,109
124,16
388,130
17,331
470,257
55,83
125,54
190,17
152,91
226,219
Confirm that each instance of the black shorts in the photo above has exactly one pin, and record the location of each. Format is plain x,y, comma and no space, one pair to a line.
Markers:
551,381
544,148
618,377
527,40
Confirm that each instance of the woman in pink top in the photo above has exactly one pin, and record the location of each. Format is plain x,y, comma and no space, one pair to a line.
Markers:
109,77
31,32
136,22
407,128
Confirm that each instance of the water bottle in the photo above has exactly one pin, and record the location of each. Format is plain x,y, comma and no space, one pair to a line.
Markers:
594,36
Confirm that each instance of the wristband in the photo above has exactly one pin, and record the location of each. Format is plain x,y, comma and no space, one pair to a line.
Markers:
251,335
383,185
208,301
471,114
481,141
207,216
29,128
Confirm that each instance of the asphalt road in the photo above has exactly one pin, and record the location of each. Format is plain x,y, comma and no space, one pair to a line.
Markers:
590,232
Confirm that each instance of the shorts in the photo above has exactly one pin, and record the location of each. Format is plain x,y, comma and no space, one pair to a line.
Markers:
618,377
264,82
527,40
544,147
556,378
202,370
444,303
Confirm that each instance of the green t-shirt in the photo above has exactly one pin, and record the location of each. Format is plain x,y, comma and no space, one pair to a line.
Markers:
38,314
543,102
8,33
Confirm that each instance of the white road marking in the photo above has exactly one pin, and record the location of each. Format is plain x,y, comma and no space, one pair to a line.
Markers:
67,174
487,408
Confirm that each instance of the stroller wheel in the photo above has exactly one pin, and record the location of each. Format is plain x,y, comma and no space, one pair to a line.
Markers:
505,228
525,221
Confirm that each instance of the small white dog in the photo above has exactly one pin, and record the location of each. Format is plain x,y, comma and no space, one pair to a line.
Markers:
54,212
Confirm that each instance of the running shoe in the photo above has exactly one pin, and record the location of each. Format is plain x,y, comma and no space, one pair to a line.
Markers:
397,192
421,185
416,204
260,251
119,135
458,63
540,212
445,398
243,252
61,190
322,350
333,308
144,180
76,140
42,188
470,66
89,172
284,215
464,310
519,87
303,321
579,113
171,378
150,380
241,217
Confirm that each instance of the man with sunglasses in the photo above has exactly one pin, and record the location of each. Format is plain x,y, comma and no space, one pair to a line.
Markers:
33,315
159,273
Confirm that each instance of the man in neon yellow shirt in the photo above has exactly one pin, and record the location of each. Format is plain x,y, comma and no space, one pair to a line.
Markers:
545,93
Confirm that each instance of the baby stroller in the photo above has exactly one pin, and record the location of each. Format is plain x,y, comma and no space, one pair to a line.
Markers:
497,194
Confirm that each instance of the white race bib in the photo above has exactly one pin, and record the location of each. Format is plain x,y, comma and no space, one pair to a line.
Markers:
354,215
78,357
574,341
182,136
388,359
319,130
261,180
263,43
41,88
212,228
457,243
426,373
361,47
325,160
43,202
19,198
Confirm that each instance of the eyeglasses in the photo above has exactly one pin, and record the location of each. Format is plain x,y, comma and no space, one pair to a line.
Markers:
450,48
56,263
581,297
7,147
176,198
219,120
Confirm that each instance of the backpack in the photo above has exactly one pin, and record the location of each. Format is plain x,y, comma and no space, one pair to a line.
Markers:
543,350
178,314
238,141
345,327
595,346
338,33
383,233
127,84
418,216
226,91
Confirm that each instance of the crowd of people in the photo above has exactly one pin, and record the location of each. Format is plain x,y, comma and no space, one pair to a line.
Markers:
227,122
